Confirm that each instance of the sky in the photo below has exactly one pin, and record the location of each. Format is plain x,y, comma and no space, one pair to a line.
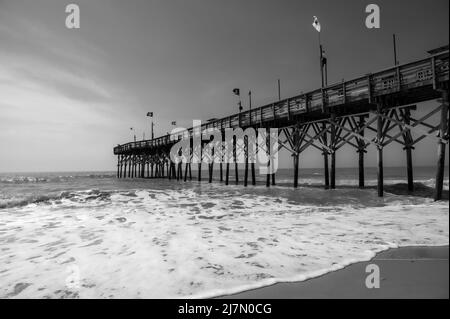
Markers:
68,96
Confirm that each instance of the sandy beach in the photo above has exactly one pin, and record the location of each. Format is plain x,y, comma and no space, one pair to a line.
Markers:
409,272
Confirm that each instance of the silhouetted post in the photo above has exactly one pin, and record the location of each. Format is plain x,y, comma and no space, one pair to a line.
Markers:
246,162
180,172
221,171
268,156
169,170
253,174
333,152
125,168
186,172
295,156
236,162
361,151
190,172
408,149
199,177
227,173
210,172
443,134
129,166
325,158
118,166
380,152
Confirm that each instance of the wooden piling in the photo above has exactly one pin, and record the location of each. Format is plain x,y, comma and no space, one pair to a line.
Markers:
199,172
295,156
246,173
333,153
380,152
186,172
221,171
443,132
118,166
169,171
246,162
408,149
190,172
361,151
210,177
325,158
253,174
180,172
227,173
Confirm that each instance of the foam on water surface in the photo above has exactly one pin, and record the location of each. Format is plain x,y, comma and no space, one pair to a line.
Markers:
200,241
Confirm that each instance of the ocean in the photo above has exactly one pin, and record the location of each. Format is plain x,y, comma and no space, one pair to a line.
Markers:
90,235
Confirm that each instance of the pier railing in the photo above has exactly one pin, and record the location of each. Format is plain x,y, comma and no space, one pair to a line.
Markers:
428,72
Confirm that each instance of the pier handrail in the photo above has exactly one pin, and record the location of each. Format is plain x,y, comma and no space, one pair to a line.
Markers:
423,72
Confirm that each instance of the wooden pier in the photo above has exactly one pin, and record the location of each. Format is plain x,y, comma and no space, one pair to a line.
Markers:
326,119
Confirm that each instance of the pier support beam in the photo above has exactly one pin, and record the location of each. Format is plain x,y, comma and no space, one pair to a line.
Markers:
407,138
253,174
210,168
325,158
118,166
443,134
333,152
295,157
179,171
380,187
361,151
227,174
221,171
236,170
246,162
199,174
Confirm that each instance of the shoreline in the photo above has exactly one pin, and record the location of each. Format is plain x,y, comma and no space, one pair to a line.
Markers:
406,272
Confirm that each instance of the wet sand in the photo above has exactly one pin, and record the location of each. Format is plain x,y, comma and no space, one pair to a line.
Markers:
410,272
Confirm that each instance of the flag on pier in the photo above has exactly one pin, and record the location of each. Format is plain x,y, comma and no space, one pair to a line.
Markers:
237,92
150,114
316,24
174,123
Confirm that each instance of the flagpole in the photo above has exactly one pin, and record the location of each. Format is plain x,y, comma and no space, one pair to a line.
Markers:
321,59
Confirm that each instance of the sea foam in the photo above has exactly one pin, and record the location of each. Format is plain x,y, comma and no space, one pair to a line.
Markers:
201,241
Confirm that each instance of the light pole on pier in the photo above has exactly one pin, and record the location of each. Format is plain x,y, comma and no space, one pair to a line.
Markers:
134,133
250,105
150,114
237,92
